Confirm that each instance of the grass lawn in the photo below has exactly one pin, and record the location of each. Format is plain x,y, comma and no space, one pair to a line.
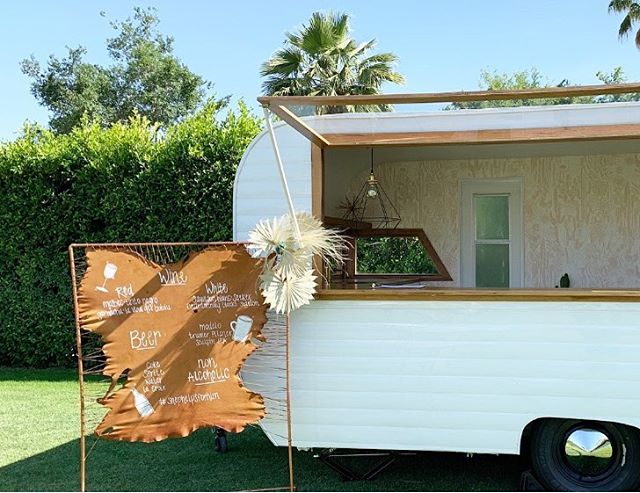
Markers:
39,451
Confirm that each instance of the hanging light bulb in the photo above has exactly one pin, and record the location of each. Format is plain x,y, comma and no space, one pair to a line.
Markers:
372,186
372,204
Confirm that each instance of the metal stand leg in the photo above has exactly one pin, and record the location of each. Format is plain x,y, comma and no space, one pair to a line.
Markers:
345,473
380,466
222,445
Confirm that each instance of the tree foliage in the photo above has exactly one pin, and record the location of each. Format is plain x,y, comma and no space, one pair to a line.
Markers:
124,183
524,79
631,11
533,79
146,78
321,59
393,255
616,76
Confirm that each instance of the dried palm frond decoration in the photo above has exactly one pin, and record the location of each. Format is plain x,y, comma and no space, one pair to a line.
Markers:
352,208
287,281
286,294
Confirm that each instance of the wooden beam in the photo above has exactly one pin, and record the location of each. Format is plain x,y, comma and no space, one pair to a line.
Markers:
497,136
317,182
346,223
452,97
317,203
299,125
435,258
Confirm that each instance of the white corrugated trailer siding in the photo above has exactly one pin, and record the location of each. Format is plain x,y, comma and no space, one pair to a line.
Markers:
257,191
458,375
462,376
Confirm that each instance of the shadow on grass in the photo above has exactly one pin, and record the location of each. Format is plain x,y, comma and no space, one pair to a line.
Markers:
426,471
187,464
191,464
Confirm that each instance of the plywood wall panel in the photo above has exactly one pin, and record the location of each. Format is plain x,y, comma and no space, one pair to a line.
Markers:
581,213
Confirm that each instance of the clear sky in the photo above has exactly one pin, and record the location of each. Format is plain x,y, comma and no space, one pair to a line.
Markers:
442,45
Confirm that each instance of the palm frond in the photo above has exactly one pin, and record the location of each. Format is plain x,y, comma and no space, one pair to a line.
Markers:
340,23
291,263
294,39
323,34
286,61
286,280
317,240
632,10
322,59
381,58
625,27
283,86
619,6
270,236
362,48
285,295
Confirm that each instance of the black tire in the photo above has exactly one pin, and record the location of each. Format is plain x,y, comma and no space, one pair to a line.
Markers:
618,470
222,446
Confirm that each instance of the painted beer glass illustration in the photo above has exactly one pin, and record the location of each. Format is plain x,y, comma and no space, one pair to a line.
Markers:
108,273
143,405
241,328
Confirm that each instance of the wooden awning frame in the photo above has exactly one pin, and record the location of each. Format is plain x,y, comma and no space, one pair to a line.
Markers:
279,106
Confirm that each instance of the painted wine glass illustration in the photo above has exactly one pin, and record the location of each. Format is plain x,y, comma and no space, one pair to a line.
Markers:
108,273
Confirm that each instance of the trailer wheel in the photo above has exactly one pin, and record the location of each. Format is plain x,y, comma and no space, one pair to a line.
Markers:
574,455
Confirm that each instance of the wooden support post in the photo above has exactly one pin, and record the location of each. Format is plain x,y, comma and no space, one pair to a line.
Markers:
288,383
317,203
83,457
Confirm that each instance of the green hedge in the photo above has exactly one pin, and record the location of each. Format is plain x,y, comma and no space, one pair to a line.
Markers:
126,183
393,255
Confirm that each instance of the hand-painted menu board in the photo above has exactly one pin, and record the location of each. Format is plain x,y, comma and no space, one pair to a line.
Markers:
182,331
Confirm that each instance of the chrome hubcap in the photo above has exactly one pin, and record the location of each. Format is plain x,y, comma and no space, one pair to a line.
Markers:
588,452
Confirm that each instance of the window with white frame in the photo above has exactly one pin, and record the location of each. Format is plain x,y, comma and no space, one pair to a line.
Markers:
491,233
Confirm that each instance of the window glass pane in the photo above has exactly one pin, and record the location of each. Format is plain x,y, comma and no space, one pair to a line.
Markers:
392,255
492,217
492,266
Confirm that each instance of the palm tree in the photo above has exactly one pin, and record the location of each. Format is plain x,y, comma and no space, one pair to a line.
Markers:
321,59
632,11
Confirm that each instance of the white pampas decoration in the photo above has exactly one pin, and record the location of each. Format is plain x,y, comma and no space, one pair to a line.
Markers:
287,281
286,294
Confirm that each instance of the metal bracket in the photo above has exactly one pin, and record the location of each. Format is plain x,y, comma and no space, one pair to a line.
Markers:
332,459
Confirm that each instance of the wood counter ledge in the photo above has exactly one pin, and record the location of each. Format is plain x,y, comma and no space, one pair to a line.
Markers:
462,294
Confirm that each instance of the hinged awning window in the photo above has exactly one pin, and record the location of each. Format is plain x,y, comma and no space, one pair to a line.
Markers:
345,121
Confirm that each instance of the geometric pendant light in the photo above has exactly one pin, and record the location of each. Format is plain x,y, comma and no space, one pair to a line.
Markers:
373,204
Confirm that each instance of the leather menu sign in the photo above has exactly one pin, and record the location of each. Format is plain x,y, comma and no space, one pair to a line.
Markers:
180,332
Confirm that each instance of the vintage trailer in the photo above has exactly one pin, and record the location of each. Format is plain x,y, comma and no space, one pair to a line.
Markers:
486,354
